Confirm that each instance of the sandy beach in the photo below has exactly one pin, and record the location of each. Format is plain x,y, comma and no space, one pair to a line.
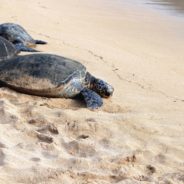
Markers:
137,137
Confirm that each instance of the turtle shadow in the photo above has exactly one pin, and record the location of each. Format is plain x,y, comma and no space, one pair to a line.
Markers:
79,101
2,84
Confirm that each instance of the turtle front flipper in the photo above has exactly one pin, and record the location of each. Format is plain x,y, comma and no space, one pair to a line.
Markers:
40,42
22,47
92,99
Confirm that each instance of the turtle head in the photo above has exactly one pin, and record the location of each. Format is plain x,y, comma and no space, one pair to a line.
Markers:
102,88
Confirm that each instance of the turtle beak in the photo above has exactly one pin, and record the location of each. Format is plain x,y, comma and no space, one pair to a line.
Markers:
109,91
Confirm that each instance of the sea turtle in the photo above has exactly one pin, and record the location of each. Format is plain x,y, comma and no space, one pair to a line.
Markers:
7,49
53,76
19,37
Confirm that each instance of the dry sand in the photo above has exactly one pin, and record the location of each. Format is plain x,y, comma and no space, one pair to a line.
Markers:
138,135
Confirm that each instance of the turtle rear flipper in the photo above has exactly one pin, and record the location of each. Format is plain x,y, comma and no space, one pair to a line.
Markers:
22,47
92,99
40,42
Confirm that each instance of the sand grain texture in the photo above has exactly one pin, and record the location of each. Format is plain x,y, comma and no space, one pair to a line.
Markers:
137,136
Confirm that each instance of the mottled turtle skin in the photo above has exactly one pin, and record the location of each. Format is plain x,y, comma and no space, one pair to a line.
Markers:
19,36
7,49
53,76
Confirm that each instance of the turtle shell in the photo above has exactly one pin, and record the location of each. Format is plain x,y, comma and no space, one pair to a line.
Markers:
14,32
43,75
7,49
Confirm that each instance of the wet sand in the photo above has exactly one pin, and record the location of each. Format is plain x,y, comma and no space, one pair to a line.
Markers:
176,7
137,136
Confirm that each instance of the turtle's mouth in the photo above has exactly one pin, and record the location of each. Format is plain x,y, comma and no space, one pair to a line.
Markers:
108,93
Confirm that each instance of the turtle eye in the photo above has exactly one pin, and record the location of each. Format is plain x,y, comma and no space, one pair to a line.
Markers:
100,85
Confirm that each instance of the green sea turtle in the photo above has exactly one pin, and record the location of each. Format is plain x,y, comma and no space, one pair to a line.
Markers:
19,37
53,76
7,49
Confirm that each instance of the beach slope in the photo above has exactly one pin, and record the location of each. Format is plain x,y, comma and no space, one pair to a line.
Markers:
137,136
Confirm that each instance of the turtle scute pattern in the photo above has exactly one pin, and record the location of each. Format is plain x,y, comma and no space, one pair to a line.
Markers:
17,35
41,72
14,32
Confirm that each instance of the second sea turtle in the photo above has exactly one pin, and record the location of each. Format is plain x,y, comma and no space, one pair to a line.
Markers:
8,50
19,37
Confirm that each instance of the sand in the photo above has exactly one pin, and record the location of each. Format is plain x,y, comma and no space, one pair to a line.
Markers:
137,136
